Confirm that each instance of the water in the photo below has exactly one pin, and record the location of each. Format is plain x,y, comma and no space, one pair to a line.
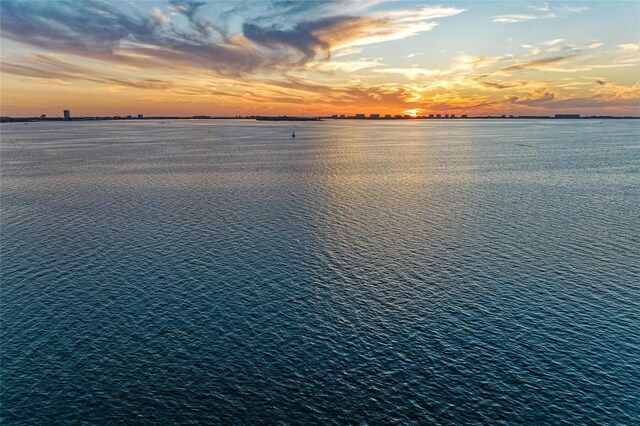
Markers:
363,272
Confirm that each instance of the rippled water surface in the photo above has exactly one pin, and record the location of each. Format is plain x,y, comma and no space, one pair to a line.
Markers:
365,272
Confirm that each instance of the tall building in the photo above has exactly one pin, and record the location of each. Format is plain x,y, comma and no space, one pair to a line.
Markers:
67,114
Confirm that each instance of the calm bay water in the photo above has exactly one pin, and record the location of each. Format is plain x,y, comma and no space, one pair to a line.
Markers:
364,272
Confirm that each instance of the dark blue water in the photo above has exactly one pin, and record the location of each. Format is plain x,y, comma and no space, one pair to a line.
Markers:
466,272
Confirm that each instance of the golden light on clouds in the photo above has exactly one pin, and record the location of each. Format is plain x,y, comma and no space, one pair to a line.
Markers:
275,58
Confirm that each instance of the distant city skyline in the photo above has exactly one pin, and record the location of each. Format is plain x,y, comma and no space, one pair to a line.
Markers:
156,58
373,116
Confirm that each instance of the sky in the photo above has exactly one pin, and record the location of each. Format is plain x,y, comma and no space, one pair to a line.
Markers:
100,57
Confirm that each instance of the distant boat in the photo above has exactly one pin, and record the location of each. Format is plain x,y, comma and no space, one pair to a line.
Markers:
293,135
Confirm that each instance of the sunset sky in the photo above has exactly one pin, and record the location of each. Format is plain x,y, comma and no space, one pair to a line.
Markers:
285,57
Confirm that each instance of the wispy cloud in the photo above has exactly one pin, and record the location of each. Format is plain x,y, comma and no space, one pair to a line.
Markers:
537,63
542,7
48,67
344,66
542,10
512,19
553,42
413,72
100,30
159,17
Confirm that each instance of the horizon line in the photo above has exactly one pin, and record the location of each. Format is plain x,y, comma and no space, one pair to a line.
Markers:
375,117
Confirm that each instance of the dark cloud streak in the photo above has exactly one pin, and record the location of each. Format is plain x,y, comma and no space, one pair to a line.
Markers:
535,64
300,37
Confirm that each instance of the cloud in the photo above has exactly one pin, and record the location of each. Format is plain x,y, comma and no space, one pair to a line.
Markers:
536,64
511,19
616,92
412,73
104,31
553,42
344,66
318,37
573,9
545,98
159,17
49,67
497,86
303,37
75,26
544,11
543,7
629,47
569,59
472,63
201,28
420,14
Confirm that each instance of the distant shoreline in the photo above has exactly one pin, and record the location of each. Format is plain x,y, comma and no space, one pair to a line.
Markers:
320,118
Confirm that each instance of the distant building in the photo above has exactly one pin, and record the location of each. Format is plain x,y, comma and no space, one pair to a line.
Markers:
452,116
510,116
446,116
43,117
388,116
397,116
430,115
375,116
343,116
503,116
67,114
140,116
464,116
567,116
360,116
334,116
438,116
